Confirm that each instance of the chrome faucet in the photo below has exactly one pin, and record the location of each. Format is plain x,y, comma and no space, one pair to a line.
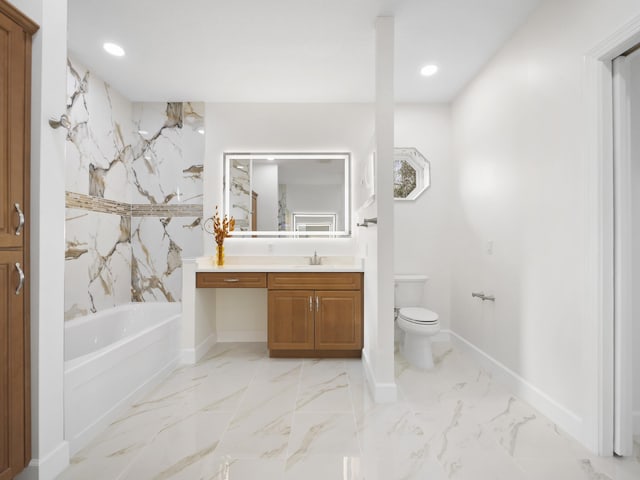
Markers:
315,260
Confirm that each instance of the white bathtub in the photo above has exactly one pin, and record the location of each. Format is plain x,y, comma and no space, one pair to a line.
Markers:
110,358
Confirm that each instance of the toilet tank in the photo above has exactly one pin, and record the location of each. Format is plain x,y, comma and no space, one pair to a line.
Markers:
409,290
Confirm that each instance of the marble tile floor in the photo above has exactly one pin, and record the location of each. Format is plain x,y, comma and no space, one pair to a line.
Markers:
239,415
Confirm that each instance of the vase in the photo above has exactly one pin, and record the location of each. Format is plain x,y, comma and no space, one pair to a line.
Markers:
220,255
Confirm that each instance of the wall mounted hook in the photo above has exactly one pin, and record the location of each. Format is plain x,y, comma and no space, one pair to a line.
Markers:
63,122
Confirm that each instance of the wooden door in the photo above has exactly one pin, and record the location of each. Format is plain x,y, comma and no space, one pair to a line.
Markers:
338,320
13,379
290,319
13,132
254,211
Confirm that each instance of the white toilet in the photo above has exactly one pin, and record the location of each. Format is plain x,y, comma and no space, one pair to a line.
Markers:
417,324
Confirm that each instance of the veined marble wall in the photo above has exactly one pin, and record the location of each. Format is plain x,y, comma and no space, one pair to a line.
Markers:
134,195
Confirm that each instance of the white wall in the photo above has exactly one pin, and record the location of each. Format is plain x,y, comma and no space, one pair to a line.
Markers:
522,183
422,234
635,234
49,451
264,182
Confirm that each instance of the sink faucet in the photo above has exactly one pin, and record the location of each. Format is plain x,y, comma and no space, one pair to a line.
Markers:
315,260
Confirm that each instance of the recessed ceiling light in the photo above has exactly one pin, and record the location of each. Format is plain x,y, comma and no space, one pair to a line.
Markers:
143,132
428,70
113,49
201,131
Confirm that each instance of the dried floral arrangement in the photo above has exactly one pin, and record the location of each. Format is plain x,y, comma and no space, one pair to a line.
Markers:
222,227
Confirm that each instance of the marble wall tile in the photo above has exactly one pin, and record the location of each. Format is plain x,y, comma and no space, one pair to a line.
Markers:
240,194
124,161
158,246
98,261
99,150
169,153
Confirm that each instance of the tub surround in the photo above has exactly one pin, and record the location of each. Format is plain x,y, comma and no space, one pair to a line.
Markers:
134,195
199,323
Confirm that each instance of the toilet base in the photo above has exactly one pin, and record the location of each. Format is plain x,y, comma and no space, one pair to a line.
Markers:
416,349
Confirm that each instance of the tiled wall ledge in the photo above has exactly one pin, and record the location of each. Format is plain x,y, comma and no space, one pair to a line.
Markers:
102,205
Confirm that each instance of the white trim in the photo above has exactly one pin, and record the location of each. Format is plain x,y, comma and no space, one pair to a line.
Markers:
569,421
191,356
381,392
599,303
242,336
48,467
623,247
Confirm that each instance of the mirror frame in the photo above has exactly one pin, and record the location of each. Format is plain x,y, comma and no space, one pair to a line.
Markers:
420,164
228,157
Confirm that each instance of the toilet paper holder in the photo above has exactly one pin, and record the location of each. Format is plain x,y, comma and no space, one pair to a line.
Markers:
483,297
367,221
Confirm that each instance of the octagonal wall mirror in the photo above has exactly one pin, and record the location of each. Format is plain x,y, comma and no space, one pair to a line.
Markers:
411,173
288,194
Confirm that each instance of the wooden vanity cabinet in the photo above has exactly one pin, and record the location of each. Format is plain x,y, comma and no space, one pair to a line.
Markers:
315,314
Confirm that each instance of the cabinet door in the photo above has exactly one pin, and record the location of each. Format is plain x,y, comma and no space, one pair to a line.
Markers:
12,367
291,319
338,322
13,128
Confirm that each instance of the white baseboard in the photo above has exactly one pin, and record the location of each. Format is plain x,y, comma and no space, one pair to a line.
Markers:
49,466
191,356
636,423
84,437
242,336
381,392
556,412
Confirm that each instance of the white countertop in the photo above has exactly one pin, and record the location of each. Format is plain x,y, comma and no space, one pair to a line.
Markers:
280,264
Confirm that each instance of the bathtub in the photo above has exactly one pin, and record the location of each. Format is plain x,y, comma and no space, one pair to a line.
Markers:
112,357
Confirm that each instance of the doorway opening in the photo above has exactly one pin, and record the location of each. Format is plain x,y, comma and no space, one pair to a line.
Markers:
626,223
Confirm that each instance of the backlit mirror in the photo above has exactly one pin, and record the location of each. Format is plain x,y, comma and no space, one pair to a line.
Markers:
288,194
411,173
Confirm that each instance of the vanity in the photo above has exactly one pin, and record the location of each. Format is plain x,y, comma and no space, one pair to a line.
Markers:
300,306
312,310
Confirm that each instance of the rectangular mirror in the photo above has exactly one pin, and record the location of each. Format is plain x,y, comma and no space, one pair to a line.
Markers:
288,194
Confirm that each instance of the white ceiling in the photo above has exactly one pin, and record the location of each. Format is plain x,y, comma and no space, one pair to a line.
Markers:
286,50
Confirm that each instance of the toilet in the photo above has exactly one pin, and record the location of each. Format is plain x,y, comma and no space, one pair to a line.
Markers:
416,324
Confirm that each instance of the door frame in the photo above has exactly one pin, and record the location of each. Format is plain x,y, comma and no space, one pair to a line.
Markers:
599,150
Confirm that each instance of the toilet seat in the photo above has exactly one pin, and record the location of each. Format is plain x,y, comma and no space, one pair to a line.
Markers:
418,316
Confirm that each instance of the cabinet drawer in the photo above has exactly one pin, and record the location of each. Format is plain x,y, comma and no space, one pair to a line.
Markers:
315,281
231,280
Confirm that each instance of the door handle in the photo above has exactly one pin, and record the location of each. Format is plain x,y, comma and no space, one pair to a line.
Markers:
310,304
317,304
232,280
20,219
21,275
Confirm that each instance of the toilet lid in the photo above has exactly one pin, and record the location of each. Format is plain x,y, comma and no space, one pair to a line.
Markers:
418,315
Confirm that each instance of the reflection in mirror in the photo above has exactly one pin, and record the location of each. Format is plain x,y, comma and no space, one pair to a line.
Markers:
411,173
288,194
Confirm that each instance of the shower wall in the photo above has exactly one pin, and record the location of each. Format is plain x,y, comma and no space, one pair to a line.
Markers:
134,195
